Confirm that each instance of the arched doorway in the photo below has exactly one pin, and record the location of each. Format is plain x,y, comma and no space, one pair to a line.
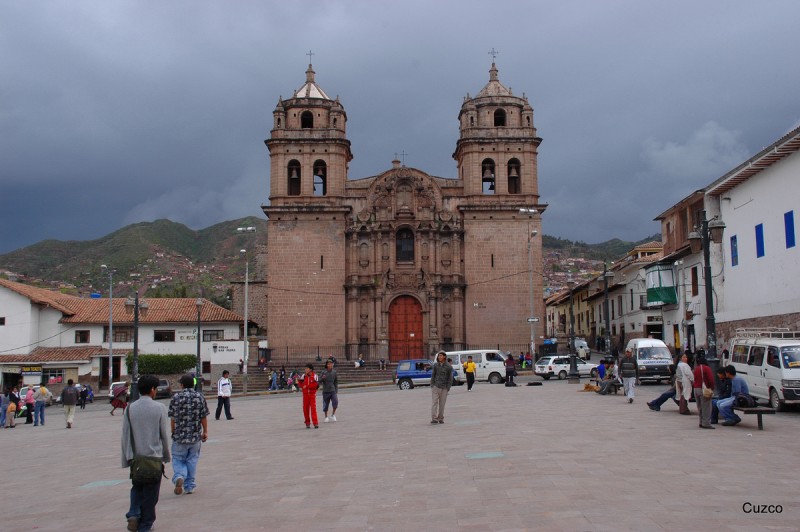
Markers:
405,329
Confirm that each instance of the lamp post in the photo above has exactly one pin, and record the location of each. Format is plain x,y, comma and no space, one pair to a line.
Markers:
574,375
198,371
706,232
137,306
531,318
606,315
248,229
110,323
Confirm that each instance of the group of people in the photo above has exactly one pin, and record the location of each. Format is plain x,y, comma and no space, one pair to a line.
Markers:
714,399
525,360
626,374
34,402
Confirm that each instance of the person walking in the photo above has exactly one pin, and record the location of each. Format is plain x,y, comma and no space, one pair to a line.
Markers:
330,390
469,370
30,404
309,383
441,381
703,391
188,412
629,372
224,389
40,397
144,433
683,384
69,398
120,399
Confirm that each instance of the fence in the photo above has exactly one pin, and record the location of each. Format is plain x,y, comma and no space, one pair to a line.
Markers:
373,352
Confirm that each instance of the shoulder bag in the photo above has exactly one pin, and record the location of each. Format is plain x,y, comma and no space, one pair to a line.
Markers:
144,469
708,393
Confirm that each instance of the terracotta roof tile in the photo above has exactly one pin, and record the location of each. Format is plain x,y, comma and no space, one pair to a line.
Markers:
60,354
41,296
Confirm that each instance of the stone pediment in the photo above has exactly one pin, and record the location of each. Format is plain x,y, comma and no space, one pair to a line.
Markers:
404,194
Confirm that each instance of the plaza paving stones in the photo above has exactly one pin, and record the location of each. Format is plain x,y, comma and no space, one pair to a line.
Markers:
524,458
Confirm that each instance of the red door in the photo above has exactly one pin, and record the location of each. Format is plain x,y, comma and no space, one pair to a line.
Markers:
405,329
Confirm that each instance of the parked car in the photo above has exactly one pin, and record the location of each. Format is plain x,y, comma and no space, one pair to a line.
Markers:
558,366
769,361
415,372
653,356
164,390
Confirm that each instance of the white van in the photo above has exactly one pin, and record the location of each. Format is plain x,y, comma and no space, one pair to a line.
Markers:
490,364
769,361
653,357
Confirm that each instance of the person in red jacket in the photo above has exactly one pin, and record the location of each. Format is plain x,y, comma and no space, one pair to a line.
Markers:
310,383
703,376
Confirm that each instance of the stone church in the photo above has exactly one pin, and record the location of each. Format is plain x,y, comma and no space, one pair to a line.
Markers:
403,263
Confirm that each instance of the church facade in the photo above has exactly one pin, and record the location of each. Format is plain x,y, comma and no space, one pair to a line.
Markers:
403,263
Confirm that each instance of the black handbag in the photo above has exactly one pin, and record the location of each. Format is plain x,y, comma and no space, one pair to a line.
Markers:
144,469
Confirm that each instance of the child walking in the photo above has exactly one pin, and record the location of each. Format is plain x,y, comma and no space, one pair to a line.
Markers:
310,383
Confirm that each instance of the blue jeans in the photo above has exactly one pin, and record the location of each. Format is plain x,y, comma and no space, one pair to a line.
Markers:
3,416
663,398
38,413
725,407
184,463
274,385
144,498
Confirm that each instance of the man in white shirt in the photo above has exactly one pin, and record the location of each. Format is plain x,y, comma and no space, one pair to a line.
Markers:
224,388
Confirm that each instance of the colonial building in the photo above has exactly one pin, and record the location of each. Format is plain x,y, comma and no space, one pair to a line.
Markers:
49,336
402,263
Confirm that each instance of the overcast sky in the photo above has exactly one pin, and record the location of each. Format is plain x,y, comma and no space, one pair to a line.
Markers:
116,112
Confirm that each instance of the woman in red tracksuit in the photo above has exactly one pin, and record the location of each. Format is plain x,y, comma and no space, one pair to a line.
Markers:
310,384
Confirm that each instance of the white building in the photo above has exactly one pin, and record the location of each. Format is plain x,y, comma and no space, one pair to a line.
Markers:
50,336
759,202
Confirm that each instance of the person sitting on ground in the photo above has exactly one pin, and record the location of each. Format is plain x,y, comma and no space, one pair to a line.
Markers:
601,371
611,378
656,403
725,406
723,391
360,362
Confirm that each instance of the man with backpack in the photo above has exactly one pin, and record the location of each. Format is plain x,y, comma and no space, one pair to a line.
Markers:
69,398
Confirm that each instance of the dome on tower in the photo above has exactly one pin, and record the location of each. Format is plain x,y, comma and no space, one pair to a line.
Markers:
494,87
310,89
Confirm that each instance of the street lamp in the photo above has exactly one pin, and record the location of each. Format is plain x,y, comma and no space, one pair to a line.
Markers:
531,318
574,375
198,372
110,323
606,275
137,306
248,229
706,232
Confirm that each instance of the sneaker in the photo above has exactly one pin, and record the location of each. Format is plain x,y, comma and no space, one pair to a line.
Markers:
316,426
133,524
630,400
728,423
69,425
434,422
189,491
706,427
308,426
441,421
178,486
333,418
327,419
653,407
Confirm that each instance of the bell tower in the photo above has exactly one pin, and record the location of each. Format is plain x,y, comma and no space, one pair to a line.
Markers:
308,148
497,147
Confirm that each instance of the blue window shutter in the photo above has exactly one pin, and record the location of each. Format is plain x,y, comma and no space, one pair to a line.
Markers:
760,240
788,222
734,251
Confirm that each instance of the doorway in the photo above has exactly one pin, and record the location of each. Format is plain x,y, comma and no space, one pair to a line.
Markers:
104,371
405,329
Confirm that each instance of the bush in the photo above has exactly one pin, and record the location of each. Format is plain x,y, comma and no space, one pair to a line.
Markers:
162,364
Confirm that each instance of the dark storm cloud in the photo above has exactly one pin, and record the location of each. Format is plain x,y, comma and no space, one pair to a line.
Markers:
117,112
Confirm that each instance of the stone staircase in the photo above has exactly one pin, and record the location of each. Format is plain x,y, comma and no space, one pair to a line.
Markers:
258,381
